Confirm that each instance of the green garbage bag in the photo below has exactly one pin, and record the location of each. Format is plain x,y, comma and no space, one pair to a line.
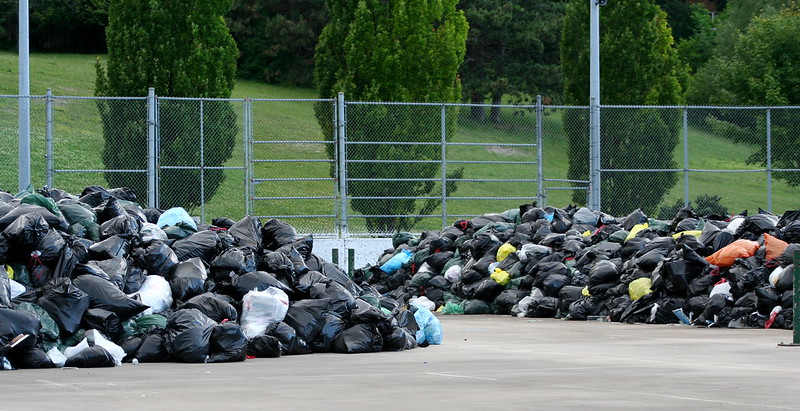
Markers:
451,308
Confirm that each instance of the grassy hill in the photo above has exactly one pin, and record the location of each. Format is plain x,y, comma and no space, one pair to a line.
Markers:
79,144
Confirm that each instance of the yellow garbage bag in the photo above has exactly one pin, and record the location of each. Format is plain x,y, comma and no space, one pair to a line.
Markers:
585,291
501,277
636,229
504,251
639,288
695,233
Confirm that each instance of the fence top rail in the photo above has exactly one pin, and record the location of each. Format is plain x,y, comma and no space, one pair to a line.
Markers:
701,107
97,98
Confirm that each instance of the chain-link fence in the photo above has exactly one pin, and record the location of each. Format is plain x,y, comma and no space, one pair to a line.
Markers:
361,168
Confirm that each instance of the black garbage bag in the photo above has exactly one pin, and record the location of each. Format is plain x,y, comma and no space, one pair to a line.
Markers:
677,276
134,279
231,262
398,340
188,279
768,298
264,346
276,263
153,348
124,225
714,306
276,233
92,357
584,307
485,290
332,325
259,281
109,209
543,307
567,296
247,231
305,316
16,322
228,343
65,303
216,306
757,224
33,211
602,273
553,284
360,338
291,343
406,320
341,300
791,232
111,247
33,358
203,244
114,270
104,321
484,244
474,307
159,259
188,336
103,294
365,312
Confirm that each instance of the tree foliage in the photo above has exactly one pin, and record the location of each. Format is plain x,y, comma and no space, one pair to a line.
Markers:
391,51
639,65
276,39
761,70
57,25
182,49
512,49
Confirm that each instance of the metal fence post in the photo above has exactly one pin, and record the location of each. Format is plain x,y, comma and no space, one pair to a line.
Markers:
341,137
151,147
594,155
444,167
48,113
540,196
248,146
685,157
769,160
796,299
202,163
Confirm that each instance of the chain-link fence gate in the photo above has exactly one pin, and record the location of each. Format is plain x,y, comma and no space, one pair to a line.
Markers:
365,169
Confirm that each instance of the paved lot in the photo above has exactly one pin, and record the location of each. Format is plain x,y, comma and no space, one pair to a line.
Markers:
486,362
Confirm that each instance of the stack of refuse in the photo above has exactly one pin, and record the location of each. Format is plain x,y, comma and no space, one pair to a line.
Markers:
578,264
96,280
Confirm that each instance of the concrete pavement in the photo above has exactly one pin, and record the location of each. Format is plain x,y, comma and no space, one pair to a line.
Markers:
485,362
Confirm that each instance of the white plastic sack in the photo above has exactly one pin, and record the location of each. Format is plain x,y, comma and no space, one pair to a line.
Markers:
424,302
724,289
151,232
260,309
776,274
16,289
56,357
117,353
453,273
176,215
734,224
155,292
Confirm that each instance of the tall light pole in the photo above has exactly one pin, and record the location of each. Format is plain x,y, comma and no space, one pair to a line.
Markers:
594,103
24,143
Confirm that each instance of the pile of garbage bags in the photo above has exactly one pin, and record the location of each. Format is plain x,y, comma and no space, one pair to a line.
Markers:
578,264
96,280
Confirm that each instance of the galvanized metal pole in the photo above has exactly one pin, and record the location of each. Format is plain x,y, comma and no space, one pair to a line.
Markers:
769,160
202,163
341,136
594,101
48,113
444,167
151,147
24,118
248,168
540,196
685,157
